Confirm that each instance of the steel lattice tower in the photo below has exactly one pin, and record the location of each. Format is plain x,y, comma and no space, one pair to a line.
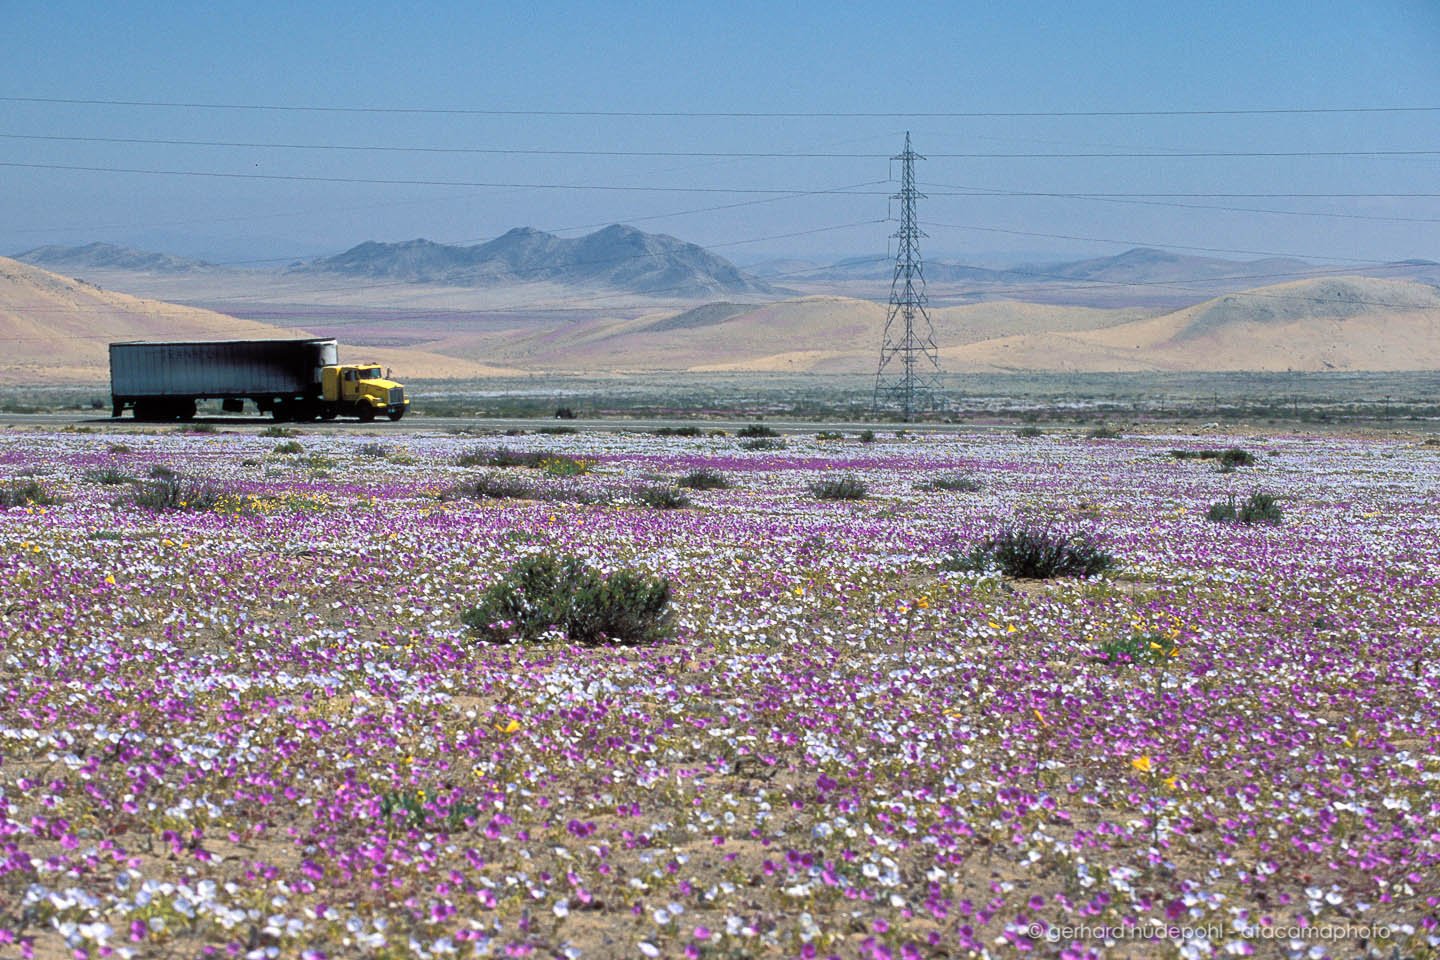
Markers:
909,341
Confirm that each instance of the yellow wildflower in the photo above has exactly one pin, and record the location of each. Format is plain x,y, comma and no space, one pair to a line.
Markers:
1142,764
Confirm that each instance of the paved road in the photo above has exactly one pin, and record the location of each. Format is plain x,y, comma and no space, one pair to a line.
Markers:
428,424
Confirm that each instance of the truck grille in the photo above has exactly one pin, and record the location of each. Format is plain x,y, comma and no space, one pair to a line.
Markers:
397,394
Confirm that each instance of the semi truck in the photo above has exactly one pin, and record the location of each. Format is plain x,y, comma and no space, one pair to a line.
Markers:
290,379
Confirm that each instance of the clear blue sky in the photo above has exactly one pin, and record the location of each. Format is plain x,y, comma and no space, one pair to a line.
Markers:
740,57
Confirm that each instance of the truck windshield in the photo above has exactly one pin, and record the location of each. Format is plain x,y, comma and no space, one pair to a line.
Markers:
370,373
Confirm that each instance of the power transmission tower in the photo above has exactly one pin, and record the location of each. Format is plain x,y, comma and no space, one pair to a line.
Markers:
909,371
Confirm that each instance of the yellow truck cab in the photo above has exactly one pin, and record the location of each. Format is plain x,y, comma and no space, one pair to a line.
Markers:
361,390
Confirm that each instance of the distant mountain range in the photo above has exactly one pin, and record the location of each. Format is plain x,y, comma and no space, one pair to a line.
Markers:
618,257
1137,266
109,256
526,263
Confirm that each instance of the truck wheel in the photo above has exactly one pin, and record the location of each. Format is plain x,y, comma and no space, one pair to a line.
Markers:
366,413
397,414
329,413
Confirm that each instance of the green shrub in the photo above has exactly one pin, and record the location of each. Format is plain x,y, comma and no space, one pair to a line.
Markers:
288,446
1222,512
1129,648
829,435
170,491
503,457
108,476
483,458
839,488
662,498
867,436
1229,459
1259,508
377,450
763,443
557,430
1103,433
277,431
1028,432
499,486
408,807
1154,649
954,482
678,432
556,464
120,448
25,493
545,592
703,479
492,486
1033,552
754,430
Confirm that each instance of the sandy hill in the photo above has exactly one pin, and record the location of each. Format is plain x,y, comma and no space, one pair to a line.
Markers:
811,334
1148,265
1335,323
54,329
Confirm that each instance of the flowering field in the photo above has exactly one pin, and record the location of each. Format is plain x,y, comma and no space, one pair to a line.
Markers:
253,724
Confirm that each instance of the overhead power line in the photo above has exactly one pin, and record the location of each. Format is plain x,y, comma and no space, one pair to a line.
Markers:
1098,198
714,154
1192,196
731,114
624,188
386,181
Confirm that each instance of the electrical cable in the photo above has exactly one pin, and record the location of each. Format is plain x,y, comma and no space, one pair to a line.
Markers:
730,114
718,154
